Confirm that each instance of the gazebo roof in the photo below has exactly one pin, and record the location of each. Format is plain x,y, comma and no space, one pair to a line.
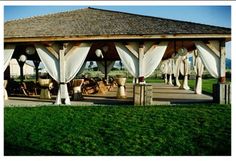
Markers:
94,24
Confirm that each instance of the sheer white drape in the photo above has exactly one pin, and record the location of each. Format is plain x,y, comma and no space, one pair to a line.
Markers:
184,84
152,58
49,61
170,70
150,61
8,52
178,62
164,70
199,68
129,60
101,66
73,59
209,59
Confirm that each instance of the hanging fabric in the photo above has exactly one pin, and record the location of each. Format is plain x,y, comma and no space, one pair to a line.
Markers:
178,62
164,70
151,59
199,68
8,52
72,65
129,60
184,84
49,61
209,58
101,66
170,70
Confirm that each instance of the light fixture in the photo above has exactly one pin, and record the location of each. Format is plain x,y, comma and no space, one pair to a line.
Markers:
182,51
30,50
174,56
105,48
99,54
22,58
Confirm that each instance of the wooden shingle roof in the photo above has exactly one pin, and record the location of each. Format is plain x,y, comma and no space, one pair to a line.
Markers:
91,22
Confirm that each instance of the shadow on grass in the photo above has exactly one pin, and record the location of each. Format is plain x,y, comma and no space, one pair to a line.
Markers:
15,150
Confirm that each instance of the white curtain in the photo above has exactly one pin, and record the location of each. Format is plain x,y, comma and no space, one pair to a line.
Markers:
129,60
199,68
151,59
101,66
184,84
164,70
49,61
170,70
74,60
8,52
209,58
178,62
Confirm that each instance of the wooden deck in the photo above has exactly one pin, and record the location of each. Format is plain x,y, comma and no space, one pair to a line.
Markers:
162,94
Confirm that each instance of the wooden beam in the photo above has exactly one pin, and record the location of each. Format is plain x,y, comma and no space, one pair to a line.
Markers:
118,37
213,48
131,49
52,51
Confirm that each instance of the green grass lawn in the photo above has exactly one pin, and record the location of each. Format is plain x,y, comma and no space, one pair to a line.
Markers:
206,83
115,130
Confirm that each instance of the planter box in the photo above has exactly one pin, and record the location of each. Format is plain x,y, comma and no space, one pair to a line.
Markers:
222,93
142,94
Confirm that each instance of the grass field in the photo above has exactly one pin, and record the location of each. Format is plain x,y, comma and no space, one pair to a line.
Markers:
206,83
127,130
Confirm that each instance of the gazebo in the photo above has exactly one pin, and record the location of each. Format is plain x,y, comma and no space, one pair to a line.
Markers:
64,41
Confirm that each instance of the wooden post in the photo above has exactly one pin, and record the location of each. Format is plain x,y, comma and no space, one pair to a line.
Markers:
222,90
141,56
142,94
222,62
21,71
36,64
106,77
62,70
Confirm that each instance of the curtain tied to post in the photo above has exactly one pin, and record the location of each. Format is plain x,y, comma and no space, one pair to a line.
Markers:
210,59
73,63
151,59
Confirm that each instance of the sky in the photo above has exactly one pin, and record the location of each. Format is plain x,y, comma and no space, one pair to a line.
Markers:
211,15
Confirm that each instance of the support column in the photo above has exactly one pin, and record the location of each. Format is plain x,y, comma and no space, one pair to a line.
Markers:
141,56
222,90
106,77
21,71
222,62
142,94
36,64
63,91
